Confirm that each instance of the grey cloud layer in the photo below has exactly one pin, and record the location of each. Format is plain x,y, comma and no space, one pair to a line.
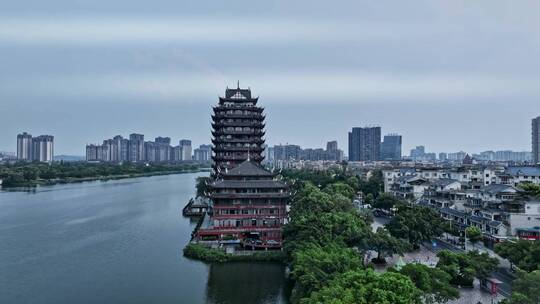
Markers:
374,59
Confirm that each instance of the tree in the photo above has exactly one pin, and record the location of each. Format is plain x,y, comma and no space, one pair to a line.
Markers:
525,289
482,263
367,286
525,254
385,245
202,185
348,228
433,282
314,265
416,224
530,189
474,234
374,185
340,188
464,267
386,201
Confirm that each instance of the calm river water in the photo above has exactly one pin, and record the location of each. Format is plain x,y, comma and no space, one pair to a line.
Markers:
117,242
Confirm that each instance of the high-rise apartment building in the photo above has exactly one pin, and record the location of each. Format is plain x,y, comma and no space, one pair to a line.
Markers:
136,147
536,140
287,152
39,148
391,147
333,152
203,153
24,146
418,152
185,144
365,144
43,148
163,149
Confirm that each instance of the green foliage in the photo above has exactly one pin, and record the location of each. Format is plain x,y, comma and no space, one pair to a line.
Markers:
525,254
204,253
340,188
347,228
474,234
530,189
366,287
29,174
315,265
417,224
385,244
464,267
433,282
319,178
374,185
525,289
386,201
325,240
202,185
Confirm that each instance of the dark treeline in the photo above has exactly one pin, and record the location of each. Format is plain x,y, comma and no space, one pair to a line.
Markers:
29,174
327,238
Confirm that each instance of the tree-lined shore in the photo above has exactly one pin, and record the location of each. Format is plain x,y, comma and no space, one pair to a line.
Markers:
328,243
24,174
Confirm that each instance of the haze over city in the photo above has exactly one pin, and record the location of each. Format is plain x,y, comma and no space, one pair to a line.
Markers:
452,76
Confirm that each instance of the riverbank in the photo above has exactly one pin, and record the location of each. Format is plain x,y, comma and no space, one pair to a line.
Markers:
111,172
211,255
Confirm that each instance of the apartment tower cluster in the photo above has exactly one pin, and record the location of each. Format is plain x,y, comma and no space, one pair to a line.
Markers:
40,148
135,149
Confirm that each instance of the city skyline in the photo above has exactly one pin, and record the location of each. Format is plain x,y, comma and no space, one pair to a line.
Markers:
417,69
321,145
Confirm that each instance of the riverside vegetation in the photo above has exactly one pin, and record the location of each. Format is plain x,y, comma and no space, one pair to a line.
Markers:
24,174
327,238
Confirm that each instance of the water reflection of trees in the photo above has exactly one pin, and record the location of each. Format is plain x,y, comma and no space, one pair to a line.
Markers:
256,283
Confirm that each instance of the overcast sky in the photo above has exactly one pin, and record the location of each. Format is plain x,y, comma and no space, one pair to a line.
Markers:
451,75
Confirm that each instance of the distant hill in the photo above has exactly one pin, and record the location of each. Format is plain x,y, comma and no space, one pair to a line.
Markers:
69,158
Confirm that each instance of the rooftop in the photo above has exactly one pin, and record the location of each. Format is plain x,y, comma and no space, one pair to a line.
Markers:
498,188
529,171
443,182
248,168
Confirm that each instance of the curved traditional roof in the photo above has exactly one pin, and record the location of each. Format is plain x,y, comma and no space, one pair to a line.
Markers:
248,168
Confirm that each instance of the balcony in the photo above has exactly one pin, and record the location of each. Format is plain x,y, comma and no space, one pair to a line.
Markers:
249,195
253,124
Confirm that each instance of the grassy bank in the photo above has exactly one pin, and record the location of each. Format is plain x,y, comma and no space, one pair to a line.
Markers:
206,254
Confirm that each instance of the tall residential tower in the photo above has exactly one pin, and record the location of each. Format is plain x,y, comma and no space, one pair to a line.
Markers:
365,144
536,140
391,147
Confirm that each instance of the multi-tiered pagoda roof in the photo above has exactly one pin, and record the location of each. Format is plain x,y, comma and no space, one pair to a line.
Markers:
249,203
237,130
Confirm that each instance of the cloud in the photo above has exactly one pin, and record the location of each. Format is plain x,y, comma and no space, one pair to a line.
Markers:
90,30
287,86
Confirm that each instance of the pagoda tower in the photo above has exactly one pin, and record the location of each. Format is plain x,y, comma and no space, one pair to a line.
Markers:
237,130
249,205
